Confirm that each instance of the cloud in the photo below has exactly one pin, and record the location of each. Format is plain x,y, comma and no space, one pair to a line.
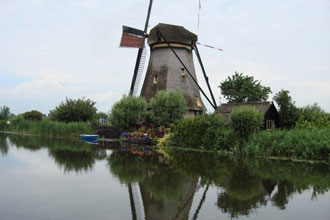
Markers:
71,48
46,94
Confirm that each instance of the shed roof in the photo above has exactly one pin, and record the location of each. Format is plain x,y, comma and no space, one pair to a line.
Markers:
227,108
172,33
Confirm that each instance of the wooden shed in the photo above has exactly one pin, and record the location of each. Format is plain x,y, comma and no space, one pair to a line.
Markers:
267,109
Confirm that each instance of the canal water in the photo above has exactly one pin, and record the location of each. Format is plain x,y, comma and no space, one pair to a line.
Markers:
59,179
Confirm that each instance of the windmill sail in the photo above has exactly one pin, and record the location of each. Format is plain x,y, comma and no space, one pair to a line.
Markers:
132,37
140,71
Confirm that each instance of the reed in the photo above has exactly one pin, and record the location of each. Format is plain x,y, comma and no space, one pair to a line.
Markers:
295,143
51,128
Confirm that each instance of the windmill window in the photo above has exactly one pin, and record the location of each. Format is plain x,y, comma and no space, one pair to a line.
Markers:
155,79
198,102
270,124
183,73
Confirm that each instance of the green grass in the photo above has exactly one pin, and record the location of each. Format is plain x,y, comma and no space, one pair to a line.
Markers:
311,144
51,128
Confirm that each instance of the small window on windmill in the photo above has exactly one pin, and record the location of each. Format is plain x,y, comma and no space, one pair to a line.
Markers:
198,102
155,79
183,72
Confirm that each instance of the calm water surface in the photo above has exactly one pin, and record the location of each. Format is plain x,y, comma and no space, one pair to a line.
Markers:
65,179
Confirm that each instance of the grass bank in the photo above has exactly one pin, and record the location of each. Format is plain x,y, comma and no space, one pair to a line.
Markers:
51,128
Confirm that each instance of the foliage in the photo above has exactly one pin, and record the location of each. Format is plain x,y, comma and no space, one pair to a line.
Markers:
126,114
49,128
32,115
231,140
4,113
289,113
245,121
205,131
313,116
241,88
299,143
3,125
74,110
167,107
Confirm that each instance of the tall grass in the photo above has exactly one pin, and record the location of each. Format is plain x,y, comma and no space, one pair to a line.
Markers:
51,128
299,143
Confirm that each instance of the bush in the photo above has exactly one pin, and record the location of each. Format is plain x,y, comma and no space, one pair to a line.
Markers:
167,107
205,131
126,114
74,110
245,121
32,115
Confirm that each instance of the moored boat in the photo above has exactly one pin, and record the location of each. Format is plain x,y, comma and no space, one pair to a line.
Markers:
89,137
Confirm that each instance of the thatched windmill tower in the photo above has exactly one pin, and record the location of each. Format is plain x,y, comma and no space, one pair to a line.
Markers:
165,71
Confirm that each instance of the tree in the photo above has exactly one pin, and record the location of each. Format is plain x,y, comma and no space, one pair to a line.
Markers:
245,121
240,88
74,110
167,107
4,113
126,114
33,115
289,113
313,116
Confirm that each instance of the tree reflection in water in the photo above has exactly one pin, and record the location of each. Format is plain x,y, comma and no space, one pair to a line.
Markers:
3,145
168,185
69,155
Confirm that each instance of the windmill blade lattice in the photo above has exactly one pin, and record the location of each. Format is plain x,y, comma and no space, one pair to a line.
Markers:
140,71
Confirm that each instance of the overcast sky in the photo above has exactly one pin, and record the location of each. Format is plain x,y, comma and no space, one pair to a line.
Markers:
50,50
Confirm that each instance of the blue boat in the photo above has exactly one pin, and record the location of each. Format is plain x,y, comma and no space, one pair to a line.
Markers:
89,137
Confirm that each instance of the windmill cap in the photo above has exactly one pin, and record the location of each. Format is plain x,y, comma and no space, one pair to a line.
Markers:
172,33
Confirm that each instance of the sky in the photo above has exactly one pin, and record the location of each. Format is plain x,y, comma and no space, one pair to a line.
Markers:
50,50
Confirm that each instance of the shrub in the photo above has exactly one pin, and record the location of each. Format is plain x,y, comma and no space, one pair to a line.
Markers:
126,114
167,107
204,131
32,115
74,110
245,121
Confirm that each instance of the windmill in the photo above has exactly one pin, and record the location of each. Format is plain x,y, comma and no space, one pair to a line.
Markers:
171,64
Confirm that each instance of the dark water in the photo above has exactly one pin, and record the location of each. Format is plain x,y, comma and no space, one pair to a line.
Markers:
64,179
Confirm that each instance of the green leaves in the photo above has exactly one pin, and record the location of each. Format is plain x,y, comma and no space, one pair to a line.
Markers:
33,115
205,131
74,110
4,113
289,113
240,88
128,113
167,107
246,121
